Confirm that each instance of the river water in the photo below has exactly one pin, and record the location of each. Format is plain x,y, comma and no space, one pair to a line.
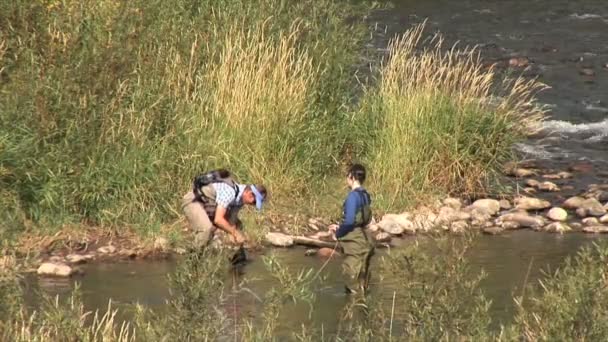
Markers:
506,260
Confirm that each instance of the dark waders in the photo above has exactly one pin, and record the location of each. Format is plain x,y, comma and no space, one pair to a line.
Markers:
358,252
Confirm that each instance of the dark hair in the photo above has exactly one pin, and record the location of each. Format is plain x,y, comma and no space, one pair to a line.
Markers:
357,172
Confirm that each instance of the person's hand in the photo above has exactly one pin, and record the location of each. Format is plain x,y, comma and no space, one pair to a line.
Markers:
332,228
238,238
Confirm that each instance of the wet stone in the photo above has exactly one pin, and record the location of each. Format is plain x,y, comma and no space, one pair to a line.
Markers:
530,203
557,214
548,186
590,221
79,258
581,212
593,207
310,252
573,202
107,249
582,167
56,270
596,229
383,237
505,204
557,227
279,239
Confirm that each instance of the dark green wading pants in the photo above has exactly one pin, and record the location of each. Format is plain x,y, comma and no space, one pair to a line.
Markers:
358,252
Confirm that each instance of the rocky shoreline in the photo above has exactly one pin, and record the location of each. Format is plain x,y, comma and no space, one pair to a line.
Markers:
544,201
552,211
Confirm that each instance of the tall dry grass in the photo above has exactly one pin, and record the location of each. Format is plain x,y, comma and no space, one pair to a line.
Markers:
443,121
259,105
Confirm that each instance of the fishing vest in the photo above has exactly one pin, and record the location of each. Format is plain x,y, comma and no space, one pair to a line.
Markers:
206,194
364,212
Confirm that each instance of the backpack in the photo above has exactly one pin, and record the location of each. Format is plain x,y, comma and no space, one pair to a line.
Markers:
210,177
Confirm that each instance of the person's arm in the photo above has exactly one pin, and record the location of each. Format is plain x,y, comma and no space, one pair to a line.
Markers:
225,196
350,213
220,221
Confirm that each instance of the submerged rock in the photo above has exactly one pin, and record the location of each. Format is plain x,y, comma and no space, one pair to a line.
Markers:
557,214
596,229
383,237
524,220
279,239
56,270
519,62
531,203
509,224
557,227
582,167
576,225
327,252
310,252
493,230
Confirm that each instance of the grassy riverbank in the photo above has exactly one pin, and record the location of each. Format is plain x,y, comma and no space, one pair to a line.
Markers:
108,109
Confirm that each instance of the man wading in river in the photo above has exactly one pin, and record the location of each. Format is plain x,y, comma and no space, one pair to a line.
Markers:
215,201
357,245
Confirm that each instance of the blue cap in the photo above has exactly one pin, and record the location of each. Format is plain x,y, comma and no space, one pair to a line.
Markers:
259,198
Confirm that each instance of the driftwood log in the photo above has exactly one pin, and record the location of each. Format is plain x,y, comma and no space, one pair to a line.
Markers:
307,241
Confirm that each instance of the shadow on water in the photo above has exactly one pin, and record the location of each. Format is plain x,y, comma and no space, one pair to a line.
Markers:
507,260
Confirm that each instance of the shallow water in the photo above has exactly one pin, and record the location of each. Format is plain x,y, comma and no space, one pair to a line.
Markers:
505,258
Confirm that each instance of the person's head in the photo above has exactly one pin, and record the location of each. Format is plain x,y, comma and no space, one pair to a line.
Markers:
254,195
356,174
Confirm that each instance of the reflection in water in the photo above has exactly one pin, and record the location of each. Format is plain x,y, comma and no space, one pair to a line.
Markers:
505,259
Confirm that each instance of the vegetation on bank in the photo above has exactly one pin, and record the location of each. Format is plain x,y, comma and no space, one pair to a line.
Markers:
109,108
440,300
443,122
